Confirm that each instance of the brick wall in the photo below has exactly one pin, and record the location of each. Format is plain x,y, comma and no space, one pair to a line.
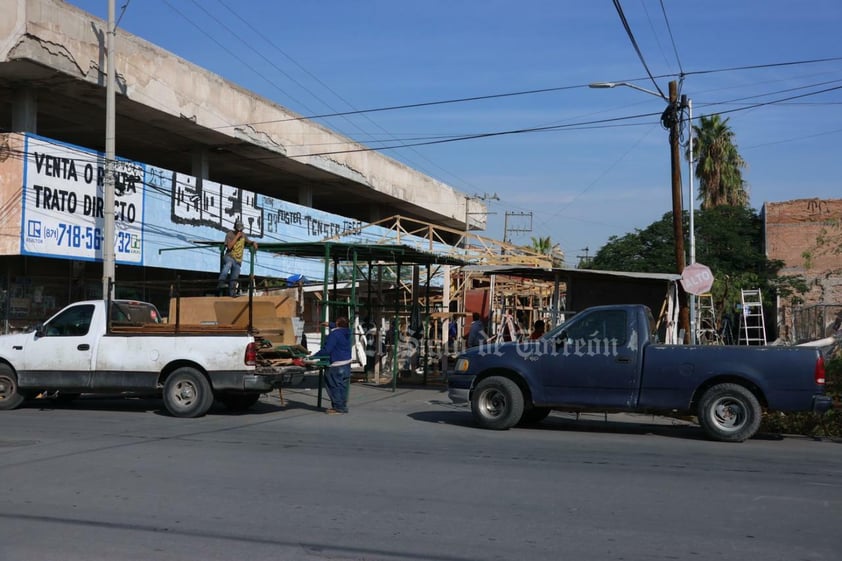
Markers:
806,234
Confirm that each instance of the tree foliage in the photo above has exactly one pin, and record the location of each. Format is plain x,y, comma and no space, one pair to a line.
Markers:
719,164
543,245
729,240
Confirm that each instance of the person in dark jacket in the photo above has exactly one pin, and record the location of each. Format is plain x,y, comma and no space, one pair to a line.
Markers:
537,330
477,335
337,348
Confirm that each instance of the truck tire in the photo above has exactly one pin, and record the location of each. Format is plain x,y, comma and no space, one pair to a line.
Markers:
534,415
497,403
187,393
239,401
10,395
729,413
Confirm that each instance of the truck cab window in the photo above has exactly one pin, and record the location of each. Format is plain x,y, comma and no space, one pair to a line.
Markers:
603,324
73,322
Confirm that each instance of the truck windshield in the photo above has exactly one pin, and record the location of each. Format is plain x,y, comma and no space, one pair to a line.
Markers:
653,326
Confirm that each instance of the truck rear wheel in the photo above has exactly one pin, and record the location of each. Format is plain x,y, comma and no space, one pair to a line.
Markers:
10,395
497,403
187,393
729,413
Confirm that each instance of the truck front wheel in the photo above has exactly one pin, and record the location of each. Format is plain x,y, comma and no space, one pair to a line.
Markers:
187,393
534,415
497,403
729,413
10,395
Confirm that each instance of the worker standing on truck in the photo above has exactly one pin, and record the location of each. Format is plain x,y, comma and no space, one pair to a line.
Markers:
337,348
235,243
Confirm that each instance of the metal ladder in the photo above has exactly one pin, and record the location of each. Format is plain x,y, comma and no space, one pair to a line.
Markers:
706,332
752,323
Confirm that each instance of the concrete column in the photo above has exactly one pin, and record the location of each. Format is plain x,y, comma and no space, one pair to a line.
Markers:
305,196
199,163
25,111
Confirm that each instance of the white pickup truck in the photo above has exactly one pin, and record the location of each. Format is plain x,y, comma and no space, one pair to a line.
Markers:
83,349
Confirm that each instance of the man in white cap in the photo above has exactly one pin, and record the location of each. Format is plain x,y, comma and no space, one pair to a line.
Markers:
235,243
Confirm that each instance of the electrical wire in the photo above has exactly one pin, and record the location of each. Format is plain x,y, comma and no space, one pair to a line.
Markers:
654,32
627,27
227,50
672,39
559,127
328,88
415,105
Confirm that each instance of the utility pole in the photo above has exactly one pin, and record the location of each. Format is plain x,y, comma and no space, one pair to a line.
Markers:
468,213
583,259
506,228
108,257
671,118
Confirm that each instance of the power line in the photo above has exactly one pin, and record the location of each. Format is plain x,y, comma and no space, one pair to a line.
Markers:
416,105
672,39
291,78
479,135
567,126
227,50
627,27
760,66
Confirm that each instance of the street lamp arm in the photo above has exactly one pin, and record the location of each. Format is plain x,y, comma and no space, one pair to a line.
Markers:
603,85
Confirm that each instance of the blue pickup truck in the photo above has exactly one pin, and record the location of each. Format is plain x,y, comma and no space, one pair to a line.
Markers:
607,358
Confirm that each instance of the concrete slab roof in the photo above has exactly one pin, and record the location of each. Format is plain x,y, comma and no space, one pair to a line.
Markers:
52,55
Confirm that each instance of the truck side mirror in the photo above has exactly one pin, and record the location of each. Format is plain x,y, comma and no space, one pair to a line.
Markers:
39,330
561,338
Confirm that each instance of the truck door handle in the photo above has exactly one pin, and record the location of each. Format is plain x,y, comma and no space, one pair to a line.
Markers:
83,347
622,359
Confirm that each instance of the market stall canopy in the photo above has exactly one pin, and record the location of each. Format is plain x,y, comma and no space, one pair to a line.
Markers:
384,253
588,287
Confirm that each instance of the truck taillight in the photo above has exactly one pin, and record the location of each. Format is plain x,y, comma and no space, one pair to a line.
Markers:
251,354
819,373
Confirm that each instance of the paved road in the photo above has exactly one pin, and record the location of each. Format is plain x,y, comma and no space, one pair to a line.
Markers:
404,476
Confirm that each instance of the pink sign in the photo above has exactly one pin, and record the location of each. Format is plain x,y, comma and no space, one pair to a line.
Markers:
697,279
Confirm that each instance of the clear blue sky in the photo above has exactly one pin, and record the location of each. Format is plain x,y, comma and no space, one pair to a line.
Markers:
581,184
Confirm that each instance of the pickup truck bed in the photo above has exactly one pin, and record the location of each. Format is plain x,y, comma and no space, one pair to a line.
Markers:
118,328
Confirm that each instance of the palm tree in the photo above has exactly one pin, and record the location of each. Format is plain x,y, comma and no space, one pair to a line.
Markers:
541,245
719,164
545,246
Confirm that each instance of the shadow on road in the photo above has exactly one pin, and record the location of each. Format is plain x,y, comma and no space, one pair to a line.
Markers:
660,426
146,404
